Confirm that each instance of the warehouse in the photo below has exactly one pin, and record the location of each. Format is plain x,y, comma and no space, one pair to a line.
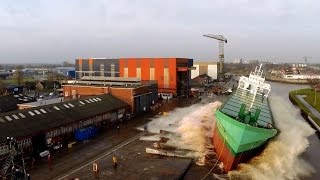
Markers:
37,129
172,74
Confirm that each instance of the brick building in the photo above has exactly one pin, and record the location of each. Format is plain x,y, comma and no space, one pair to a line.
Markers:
140,95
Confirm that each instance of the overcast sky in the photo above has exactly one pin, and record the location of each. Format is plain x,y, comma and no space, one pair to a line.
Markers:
52,31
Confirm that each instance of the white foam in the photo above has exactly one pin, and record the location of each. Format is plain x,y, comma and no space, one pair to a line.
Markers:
191,129
281,159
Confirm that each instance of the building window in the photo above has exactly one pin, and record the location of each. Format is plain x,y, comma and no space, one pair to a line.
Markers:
151,73
138,70
112,70
102,70
125,72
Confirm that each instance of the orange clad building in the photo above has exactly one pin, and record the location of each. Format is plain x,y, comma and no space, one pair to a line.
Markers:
172,74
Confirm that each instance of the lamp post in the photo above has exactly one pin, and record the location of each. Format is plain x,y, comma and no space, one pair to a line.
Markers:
10,142
315,98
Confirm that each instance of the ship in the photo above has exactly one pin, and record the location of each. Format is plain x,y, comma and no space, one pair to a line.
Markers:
244,122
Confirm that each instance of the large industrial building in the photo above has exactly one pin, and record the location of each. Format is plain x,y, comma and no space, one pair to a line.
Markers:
208,68
172,74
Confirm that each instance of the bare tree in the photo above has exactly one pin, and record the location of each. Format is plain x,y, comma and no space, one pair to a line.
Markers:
313,82
19,75
39,87
53,76
2,87
50,76
59,77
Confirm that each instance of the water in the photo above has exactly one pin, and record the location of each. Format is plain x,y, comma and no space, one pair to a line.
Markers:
291,155
310,154
190,129
282,158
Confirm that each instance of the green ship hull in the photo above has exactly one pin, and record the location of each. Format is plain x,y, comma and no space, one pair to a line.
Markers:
240,131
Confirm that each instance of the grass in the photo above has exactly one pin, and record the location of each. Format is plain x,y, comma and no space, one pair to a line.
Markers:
13,81
310,96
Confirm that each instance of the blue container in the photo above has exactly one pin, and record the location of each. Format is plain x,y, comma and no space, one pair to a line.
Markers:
71,74
85,133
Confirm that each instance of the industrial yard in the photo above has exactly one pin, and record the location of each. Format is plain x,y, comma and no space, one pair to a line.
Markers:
77,161
97,117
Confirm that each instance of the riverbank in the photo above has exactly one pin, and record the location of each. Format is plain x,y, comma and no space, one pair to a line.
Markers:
307,100
288,81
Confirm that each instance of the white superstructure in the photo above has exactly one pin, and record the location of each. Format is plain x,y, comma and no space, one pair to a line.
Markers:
255,84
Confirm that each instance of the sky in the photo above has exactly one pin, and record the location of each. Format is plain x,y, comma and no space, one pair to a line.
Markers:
46,31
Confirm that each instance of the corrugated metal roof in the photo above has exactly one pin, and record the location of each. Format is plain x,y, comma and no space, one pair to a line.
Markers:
34,120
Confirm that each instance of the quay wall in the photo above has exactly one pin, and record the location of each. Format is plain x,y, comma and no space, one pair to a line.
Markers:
305,113
289,81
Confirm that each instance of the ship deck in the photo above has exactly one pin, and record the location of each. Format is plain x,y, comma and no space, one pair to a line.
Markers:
232,106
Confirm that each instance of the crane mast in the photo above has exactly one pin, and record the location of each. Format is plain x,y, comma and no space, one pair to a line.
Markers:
306,58
221,39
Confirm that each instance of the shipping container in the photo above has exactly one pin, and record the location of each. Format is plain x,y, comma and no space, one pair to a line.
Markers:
86,133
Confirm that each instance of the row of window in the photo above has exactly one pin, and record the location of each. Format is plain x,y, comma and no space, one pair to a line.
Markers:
72,128
24,143
63,130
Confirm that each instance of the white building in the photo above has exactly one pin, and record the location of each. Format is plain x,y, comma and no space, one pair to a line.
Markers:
208,68
300,76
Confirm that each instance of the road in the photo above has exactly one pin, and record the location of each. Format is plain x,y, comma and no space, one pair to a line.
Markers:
108,152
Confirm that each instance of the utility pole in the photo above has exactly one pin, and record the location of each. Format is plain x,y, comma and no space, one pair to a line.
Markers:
221,40
305,58
315,97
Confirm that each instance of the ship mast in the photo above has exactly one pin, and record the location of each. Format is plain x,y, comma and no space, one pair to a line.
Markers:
255,89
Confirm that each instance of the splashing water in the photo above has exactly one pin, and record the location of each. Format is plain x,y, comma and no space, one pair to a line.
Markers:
191,129
281,158
192,126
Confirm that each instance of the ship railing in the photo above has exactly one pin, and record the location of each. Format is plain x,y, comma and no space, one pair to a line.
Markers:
263,92
259,123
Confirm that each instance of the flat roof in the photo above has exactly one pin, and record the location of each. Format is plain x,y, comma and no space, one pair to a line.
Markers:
102,83
43,102
204,63
116,79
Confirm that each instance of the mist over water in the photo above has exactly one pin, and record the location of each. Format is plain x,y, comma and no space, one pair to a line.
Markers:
281,159
191,129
